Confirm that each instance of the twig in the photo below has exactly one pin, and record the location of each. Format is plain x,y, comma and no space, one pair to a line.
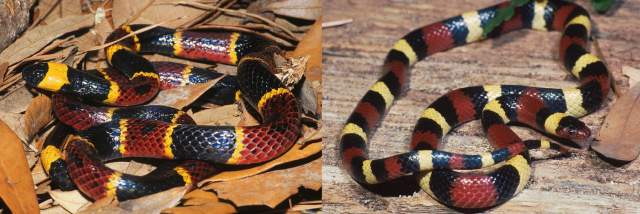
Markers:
139,13
219,13
53,45
45,57
336,23
202,6
204,16
12,80
267,27
8,81
309,206
35,23
144,29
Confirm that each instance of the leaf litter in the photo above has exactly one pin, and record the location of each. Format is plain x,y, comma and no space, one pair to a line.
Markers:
73,32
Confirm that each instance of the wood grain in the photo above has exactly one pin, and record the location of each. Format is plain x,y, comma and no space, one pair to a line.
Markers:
354,52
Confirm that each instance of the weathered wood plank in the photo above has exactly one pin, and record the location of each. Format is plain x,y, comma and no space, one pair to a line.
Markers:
354,52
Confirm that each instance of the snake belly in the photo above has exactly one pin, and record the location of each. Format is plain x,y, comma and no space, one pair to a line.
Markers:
105,133
474,190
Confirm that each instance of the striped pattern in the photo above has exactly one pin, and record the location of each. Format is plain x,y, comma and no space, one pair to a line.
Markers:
218,46
235,157
114,88
55,78
48,155
157,132
546,109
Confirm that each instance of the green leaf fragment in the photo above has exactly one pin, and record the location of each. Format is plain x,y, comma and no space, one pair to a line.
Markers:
602,6
502,15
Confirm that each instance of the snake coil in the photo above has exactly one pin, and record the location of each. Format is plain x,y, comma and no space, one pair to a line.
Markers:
549,110
107,133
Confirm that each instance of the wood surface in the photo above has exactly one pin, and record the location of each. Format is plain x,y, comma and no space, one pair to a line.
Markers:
353,54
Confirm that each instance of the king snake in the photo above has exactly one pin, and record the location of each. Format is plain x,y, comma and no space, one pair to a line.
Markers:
107,133
549,110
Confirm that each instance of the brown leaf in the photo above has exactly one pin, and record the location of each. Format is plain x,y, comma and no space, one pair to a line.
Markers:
618,137
200,201
16,186
37,115
148,204
311,45
270,188
71,201
301,9
35,39
16,101
246,119
131,167
14,122
61,8
224,115
182,96
54,210
160,10
4,67
296,152
42,10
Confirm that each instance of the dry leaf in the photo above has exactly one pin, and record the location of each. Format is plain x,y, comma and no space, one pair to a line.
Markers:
290,70
160,10
632,73
228,115
618,137
14,122
296,152
37,115
16,101
311,45
246,119
71,201
60,8
302,9
41,11
311,135
182,96
131,167
4,67
153,203
16,186
279,184
200,201
35,39
54,210
39,175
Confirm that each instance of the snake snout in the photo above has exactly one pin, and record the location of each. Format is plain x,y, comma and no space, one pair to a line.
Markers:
573,129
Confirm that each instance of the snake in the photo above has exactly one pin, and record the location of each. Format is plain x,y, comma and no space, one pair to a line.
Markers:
549,110
123,129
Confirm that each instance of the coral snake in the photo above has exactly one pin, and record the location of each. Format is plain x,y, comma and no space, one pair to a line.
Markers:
549,110
107,133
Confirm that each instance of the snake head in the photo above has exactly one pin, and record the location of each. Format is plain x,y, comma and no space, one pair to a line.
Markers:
34,73
572,128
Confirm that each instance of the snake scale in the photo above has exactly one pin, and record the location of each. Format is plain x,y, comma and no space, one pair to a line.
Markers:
550,110
105,133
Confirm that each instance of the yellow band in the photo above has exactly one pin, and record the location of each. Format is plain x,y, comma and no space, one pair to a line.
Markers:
55,77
